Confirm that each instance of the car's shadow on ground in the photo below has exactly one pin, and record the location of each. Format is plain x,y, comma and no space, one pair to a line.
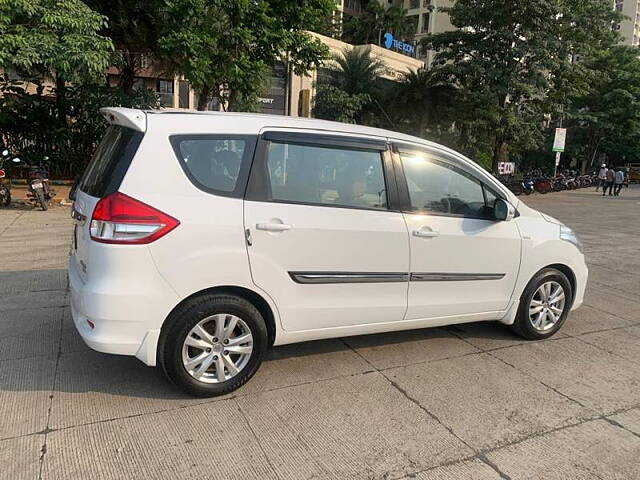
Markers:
37,332
86,370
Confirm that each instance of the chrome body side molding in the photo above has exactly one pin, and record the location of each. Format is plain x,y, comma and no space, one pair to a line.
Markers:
348,277
388,277
454,277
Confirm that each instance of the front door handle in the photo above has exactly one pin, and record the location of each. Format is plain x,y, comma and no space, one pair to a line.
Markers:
273,226
425,232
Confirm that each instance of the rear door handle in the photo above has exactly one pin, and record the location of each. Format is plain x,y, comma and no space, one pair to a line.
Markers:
425,232
273,226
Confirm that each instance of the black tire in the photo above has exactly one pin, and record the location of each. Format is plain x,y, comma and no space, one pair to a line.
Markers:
185,317
41,200
523,326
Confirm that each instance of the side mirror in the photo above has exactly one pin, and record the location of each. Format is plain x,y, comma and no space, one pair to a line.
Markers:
503,210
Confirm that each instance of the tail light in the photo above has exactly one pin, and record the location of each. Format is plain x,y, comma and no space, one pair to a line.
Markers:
121,219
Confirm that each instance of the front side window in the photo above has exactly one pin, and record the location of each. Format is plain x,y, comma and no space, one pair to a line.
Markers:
216,164
440,188
329,176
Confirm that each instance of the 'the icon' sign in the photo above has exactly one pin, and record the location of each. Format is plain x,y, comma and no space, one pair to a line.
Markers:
560,139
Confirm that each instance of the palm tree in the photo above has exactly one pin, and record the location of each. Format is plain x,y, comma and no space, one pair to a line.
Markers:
422,101
356,71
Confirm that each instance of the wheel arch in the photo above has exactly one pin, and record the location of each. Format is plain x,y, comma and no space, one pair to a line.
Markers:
568,272
251,296
511,313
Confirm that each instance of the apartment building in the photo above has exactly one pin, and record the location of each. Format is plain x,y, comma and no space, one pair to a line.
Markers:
428,18
630,26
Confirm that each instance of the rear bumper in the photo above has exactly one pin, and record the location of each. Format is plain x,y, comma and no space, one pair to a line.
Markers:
113,315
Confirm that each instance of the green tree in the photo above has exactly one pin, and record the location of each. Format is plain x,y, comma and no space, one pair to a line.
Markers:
513,60
226,47
356,72
422,103
133,28
332,103
28,122
56,39
605,119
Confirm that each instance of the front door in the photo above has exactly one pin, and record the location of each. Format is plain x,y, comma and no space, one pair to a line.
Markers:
463,261
322,239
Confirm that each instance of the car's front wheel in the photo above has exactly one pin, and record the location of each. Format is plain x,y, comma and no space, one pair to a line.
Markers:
213,344
544,305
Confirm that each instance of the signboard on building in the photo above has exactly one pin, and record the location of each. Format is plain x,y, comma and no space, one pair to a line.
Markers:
560,140
506,168
394,44
274,100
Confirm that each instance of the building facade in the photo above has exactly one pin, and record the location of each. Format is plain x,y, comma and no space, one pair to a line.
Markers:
428,18
630,26
287,93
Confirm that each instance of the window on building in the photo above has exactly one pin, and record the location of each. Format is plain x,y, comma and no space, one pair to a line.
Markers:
413,21
164,89
414,4
425,22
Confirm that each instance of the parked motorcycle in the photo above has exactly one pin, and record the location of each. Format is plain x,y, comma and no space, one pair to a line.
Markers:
5,188
527,185
40,193
542,184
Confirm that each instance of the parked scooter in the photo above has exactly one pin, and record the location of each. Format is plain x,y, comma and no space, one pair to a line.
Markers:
5,188
40,194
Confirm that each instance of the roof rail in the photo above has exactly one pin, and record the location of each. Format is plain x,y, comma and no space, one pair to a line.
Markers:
126,117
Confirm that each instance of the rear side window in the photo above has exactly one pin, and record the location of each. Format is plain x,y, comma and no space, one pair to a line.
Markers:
110,162
323,175
216,164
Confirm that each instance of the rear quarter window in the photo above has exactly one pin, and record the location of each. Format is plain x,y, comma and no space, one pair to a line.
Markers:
110,161
217,164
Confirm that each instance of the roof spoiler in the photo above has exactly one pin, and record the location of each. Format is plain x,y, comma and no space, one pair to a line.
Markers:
126,117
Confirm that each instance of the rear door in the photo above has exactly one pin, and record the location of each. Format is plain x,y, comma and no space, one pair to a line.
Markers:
324,240
102,177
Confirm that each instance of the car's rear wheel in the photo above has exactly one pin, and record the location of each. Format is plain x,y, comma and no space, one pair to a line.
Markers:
544,305
213,344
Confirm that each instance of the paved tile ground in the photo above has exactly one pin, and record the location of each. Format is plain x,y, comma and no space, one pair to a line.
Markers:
465,402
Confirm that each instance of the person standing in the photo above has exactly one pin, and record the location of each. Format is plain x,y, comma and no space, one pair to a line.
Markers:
609,179
602,177
618,181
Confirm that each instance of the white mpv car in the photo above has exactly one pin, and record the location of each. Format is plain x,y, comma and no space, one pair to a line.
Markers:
201,239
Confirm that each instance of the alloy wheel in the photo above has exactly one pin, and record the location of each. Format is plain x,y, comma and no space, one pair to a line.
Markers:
546,306
217,348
